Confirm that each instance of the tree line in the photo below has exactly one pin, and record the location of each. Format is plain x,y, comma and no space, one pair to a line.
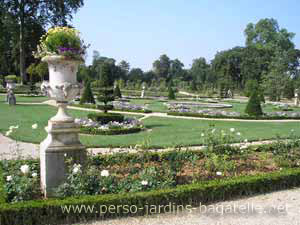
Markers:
269,56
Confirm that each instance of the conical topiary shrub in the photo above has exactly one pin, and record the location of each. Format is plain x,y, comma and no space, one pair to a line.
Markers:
117,92
253,107
171,94
87,96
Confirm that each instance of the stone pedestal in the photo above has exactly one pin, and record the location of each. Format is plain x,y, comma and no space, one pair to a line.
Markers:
143,92
296,97
61,143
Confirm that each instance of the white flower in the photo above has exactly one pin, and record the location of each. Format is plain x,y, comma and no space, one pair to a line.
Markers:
144,182
292,130
76,170
232,129
213,131
8,133
104,173
246,140
219,173
8,178
65,155
34,175
24,169
280,168
34,126
202,135
238,134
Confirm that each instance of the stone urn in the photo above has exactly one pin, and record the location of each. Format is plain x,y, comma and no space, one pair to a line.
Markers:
62,140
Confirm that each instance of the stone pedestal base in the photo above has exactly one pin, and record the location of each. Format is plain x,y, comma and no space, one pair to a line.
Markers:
296,102
61,143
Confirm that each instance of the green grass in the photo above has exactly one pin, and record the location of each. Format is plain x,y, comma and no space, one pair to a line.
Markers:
162,132
154,105
26,98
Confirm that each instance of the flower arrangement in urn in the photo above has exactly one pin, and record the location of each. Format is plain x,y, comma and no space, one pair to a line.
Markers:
62,41
63,50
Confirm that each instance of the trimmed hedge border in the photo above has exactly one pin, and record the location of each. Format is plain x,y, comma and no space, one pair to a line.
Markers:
232,117
93,131
2,193
91,106
50,211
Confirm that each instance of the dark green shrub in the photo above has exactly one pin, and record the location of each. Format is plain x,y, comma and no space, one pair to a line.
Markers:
105,107
117,92
104,118
11,78
87,96
171,94
106,92
253,107
251,86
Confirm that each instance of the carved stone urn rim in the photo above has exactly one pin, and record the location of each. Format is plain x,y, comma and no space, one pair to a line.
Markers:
60,58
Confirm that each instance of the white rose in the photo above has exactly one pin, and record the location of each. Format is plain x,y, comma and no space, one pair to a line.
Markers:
202,135
8,133
24,169
75,170
8,178
34,126
238,134
34,175
219,173
144,182
104,173
232,129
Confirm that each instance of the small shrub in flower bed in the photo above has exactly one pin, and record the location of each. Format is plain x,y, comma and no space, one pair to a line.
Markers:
127,126
21,180
104,118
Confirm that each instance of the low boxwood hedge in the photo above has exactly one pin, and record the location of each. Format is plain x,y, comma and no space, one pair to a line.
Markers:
243,117
2,193
105,118
116,131
51,211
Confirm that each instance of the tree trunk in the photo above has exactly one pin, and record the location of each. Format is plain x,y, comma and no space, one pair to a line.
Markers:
22,50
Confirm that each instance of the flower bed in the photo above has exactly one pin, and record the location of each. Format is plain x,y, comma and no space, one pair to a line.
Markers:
128,126
236,115
125,106
150,178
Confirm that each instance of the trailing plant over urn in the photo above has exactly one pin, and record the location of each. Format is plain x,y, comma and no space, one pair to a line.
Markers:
62,41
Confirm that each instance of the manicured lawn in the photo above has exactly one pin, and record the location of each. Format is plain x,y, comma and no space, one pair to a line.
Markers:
26,99
154,105
162,132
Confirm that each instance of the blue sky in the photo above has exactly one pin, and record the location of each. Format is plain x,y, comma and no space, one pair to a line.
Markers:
139,31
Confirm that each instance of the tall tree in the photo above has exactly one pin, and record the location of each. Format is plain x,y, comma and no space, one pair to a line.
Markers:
57,12
161,67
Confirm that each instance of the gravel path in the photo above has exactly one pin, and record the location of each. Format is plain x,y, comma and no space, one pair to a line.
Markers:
11,149
277,208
